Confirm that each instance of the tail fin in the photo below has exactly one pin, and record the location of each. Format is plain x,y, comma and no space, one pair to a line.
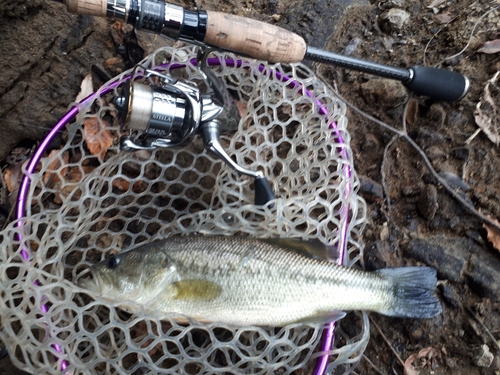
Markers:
413,292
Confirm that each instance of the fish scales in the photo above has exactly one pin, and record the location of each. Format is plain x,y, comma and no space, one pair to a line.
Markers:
248,281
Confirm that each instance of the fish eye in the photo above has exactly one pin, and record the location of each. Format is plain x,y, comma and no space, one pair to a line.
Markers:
112,262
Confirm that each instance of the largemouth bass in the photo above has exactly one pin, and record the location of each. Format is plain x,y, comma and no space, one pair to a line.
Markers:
248,281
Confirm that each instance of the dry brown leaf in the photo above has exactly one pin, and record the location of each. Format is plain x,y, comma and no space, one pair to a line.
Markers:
486,113
14,175
50,177
124,185
86,88
97,138
435,3
426,356
113,62
8,180
493,46
493,234
412,112
444,18
242,108
117,32
75,174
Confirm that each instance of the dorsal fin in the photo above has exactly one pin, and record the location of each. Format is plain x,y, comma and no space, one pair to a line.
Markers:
314,249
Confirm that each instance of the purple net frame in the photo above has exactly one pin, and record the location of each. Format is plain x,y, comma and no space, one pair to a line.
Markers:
329,331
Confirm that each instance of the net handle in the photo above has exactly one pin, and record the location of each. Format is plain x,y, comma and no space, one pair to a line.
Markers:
329,334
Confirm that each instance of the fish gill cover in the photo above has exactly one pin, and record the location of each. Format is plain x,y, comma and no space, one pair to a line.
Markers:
105,202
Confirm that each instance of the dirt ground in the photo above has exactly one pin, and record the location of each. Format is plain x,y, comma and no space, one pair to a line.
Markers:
46,52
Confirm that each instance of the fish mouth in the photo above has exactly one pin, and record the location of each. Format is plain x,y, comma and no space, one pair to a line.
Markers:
90,282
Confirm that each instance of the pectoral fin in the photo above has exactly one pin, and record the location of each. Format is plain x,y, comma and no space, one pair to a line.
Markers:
199,290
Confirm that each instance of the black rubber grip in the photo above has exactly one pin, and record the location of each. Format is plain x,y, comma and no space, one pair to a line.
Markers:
439,84
263,191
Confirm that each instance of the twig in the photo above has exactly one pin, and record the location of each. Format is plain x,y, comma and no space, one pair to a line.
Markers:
387,341
484,327
441,180
384,185
371,364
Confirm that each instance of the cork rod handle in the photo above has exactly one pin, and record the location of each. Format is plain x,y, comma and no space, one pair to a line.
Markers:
89,7
242,35
253,38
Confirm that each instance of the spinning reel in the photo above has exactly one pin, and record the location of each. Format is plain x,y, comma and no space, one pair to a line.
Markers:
170,113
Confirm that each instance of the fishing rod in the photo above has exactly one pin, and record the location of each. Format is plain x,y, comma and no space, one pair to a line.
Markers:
261,41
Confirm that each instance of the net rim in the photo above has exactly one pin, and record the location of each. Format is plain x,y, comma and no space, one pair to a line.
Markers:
22,198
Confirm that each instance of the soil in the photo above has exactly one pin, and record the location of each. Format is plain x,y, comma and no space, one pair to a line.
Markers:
46,52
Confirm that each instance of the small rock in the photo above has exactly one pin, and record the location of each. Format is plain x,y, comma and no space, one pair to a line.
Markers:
435,153
410,190
427,202
436,115
450,295
370,190
384,233
454,181
457,120
484,357
395,19
351,47
461,153
483,271
276,17
451,362
385,92
377,255
393,4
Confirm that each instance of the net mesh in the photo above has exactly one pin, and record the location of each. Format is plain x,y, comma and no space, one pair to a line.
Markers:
84,205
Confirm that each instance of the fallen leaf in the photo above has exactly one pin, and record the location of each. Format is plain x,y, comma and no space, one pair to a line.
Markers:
13,176
75,174
8,180
444,18
435,3
242,108
124,185
412,112
486,113
97,138
427,356
493,234
113,62
51,177
86,88
493,46
117,32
